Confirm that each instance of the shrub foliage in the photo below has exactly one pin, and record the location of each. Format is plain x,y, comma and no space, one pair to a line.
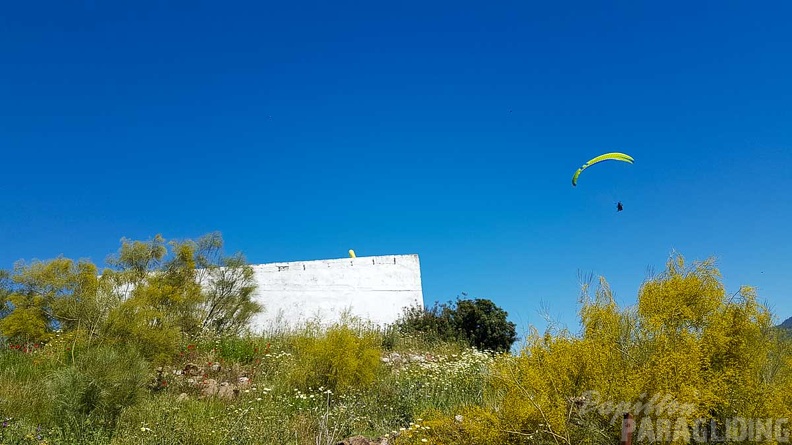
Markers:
702,357
130,356
153,295
479,323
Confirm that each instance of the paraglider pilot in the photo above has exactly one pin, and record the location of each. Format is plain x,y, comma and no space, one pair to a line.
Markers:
619,207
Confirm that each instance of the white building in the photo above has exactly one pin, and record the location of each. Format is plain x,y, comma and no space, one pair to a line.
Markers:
374,288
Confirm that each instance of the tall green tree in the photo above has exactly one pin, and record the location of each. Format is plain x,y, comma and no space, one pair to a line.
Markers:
45,295
228,283
152,293
159,295
172,289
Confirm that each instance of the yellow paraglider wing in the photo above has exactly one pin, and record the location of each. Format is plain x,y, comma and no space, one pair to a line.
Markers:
604,157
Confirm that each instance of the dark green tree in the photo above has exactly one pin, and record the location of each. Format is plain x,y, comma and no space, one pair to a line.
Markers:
431,323
477,322
483,324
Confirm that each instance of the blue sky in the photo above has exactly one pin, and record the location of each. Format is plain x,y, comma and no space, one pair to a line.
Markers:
447,129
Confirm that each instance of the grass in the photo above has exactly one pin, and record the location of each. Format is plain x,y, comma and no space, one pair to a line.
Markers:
317,386
124,375
305,386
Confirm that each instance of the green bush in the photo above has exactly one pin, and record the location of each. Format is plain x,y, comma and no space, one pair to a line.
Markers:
484,325
135,324
433,324
478,323
339,359
96,388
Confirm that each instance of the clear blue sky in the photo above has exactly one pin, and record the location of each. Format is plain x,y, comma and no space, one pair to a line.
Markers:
447,129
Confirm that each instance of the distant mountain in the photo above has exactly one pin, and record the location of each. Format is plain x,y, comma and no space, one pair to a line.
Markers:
787,324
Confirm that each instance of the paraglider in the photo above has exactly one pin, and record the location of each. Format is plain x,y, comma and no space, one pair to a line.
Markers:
614,156
604,157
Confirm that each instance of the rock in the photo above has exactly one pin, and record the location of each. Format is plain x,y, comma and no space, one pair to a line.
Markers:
192,369
182,397
210,387
227,391
223,390
393,358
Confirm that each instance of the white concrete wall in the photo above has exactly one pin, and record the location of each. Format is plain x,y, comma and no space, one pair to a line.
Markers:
375,288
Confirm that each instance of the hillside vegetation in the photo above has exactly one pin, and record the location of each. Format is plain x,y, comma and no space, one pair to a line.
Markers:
140,354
